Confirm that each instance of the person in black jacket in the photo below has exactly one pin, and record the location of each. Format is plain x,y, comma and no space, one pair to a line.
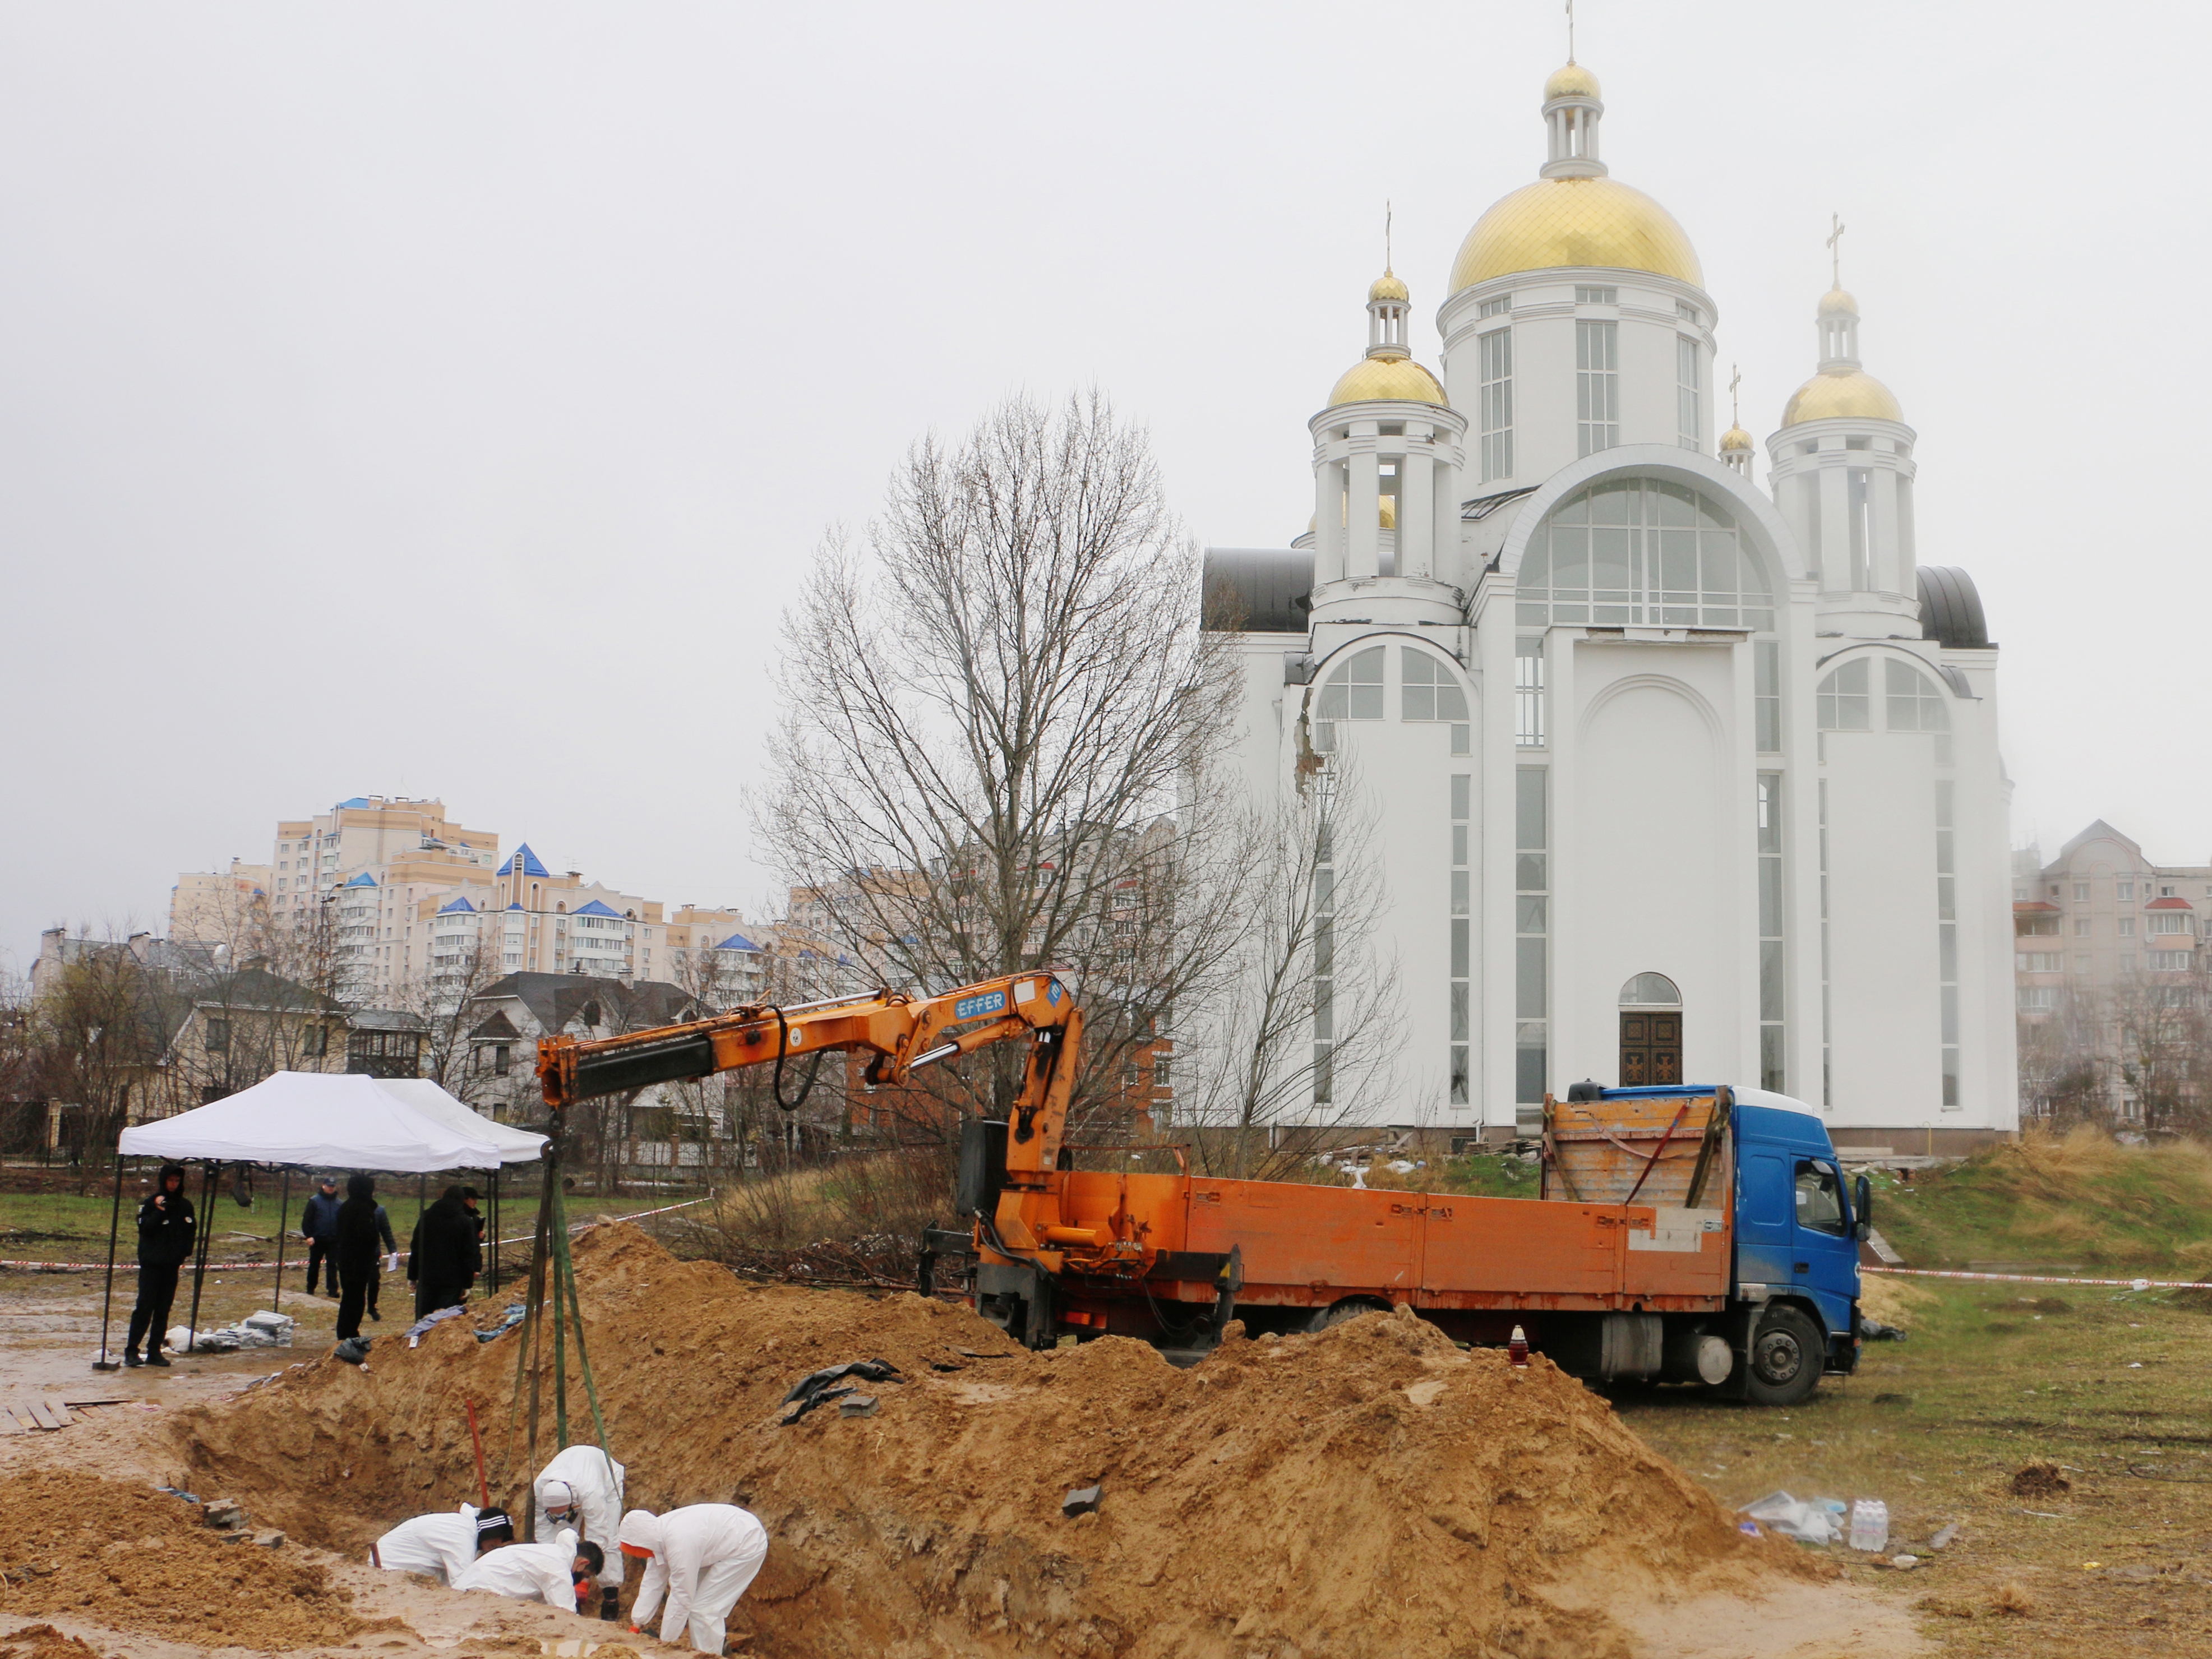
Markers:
165,1230
318,1225
384,1232
353,1245
443,1255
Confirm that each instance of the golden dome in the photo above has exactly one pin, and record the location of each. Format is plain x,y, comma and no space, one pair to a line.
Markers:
1392,379
1854,395
1389,515
1387,287
1836,300
1571,81
1575,223
1734,439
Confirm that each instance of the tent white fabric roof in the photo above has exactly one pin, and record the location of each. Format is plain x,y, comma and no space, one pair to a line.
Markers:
515,1145
326,1120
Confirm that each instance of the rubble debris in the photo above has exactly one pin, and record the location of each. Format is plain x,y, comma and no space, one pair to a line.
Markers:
2040,1480
1083,1500
1511,1482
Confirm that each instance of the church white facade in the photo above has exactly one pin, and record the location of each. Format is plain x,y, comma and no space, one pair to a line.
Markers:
1669,777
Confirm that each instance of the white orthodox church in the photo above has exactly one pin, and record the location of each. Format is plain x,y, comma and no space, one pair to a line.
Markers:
1670,777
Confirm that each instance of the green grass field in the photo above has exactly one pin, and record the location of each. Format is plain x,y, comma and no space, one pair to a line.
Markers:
2081,1202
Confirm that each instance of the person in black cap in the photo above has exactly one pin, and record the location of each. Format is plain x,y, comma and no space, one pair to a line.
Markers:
166,1228
318,1226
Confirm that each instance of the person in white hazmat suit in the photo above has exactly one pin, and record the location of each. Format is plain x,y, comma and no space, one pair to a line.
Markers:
582,1487
535,1572
701,1558
443,1546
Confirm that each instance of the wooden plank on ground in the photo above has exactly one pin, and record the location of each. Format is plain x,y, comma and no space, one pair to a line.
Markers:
38,1414
79,1404
54,1404
8,1425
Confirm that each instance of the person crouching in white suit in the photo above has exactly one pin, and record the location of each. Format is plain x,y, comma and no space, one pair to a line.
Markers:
701,1558
536,1572
582,1487
443,1546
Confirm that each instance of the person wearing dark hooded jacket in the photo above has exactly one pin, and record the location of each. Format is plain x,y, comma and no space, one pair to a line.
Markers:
166,1228
442,1257
354,1244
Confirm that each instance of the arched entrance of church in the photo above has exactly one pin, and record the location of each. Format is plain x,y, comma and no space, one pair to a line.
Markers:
1650,1031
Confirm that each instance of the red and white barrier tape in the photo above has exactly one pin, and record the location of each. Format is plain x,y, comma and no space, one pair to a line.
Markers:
2045,1279
610,1220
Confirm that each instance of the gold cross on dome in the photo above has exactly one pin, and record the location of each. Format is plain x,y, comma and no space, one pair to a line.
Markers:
1735,379
1570,31
1386,237
1835,252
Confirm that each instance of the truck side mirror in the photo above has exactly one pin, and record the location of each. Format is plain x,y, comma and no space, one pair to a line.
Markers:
1861,1206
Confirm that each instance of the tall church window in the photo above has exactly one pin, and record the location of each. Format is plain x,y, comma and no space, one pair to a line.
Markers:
1858,504
1770,960
1428,691
1946,937
1496,404
1352,692
1689,414
1529,692
1324,961
1462,802
1915,705
1642,550
1598,385
1767,694
1531,927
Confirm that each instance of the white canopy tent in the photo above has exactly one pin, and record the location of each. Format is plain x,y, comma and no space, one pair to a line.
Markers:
332,1121
323,1120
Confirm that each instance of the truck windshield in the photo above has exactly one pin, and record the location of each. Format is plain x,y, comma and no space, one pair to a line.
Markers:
1819,1197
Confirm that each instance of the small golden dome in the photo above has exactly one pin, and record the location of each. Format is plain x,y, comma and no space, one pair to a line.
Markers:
1571,81
1387,287
1734,439
1386,378
1557,223
1853,395
1836,300
1389,515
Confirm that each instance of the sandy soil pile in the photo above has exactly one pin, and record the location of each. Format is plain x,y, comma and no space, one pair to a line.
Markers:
44,1642
131,1559
1368,1491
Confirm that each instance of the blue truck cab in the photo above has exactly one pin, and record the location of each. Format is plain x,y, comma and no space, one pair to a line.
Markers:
1798,1223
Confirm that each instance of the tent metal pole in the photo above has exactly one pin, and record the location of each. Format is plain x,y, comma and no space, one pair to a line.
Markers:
283,1209
207,1172
107,1298
493,1275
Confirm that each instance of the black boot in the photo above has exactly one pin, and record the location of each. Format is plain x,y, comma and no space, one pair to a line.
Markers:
156,1357
131,1358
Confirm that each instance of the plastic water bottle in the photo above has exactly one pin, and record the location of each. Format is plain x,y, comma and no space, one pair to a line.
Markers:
1869,1524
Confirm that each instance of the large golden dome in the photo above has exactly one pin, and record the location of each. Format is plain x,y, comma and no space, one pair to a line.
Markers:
1562,222
1395,380
1853,395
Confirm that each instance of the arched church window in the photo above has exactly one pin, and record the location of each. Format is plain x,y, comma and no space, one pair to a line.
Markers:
1644,551
1843,702
1428,690
1651,991
1352,692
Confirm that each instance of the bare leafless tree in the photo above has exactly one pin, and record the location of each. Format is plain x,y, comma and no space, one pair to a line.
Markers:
1305,1042
994,715
2164,1040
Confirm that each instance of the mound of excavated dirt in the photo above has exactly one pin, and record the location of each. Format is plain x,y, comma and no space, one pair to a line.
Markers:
131,1559
1369,1491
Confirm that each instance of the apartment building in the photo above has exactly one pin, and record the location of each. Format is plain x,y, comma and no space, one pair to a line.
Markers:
374,833
2110,966
228,907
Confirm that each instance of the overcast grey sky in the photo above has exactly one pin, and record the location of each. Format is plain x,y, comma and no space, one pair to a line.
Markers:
444,399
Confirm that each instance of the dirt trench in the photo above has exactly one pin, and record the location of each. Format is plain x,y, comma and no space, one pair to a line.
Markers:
1369,1491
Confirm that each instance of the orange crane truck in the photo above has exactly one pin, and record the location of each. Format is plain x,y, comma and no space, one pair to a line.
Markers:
1694,1234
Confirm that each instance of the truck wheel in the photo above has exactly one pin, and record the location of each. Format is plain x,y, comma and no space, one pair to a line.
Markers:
1785,1359
1350,1308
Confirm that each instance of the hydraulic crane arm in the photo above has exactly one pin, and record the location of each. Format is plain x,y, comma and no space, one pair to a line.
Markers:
902,1032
